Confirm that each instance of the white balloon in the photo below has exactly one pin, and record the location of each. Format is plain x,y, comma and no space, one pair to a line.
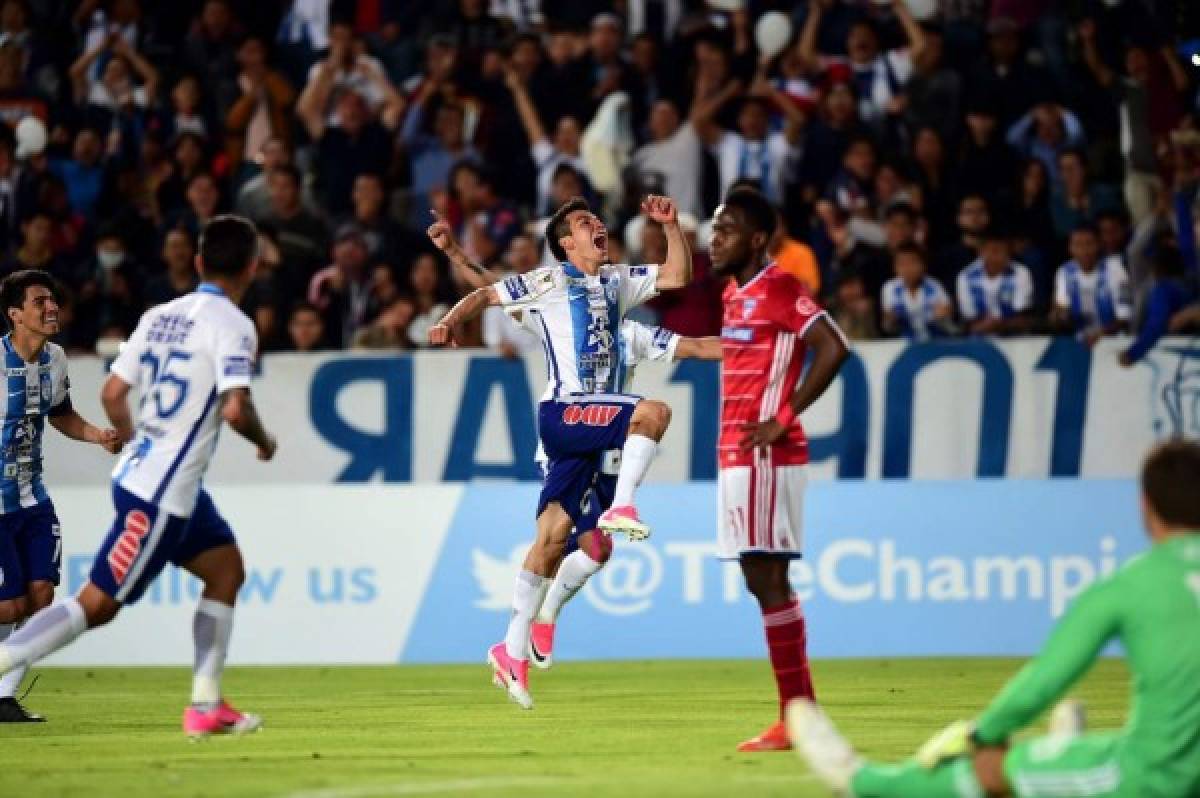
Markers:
923,9
772,33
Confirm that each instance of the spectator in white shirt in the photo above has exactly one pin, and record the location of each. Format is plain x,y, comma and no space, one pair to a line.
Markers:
914,304
547,154
995,293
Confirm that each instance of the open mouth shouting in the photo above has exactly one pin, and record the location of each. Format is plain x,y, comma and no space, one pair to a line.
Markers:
600,240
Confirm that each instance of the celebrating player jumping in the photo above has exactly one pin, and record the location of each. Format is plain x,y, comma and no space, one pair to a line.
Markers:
1151,606
38,389
577,308
191,360
770,325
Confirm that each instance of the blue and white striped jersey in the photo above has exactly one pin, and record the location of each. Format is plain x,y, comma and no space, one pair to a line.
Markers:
578,319
183,355
35,391
1100,296
1003,296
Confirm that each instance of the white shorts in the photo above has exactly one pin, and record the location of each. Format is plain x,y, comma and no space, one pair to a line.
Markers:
760,509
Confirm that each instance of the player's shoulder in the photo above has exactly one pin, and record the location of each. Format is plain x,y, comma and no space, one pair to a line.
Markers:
532,284
55,353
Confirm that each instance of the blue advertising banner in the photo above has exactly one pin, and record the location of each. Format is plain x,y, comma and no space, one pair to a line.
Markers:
890,569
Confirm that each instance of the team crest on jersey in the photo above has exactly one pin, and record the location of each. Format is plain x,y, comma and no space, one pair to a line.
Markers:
125,550
590,415
748,306
806,307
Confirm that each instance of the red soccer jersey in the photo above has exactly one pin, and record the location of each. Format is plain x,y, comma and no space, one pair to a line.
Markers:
762,339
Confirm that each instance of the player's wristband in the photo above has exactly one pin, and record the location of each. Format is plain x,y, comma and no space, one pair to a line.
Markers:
786,415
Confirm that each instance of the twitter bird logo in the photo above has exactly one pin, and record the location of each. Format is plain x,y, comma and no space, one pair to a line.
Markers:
495,577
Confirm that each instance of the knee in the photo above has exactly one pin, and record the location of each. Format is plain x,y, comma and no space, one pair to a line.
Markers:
597,545
768,589
654,415
13,610
98,607
41,595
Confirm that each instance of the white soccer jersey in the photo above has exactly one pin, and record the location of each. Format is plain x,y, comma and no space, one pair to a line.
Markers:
915,313
35,391
642,342
182,357
578,319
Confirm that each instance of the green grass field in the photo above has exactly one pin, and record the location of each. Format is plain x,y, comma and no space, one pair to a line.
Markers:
600,729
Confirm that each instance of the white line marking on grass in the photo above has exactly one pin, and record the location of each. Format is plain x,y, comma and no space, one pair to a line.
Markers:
421,788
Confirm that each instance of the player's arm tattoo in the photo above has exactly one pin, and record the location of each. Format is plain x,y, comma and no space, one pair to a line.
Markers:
473,274
238,410
829,352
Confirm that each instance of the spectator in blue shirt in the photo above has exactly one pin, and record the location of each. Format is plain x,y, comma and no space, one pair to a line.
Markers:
1044,133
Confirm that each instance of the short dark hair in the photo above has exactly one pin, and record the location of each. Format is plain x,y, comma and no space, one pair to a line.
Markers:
1169,479
14,286
757,210
290,170
911,248
902,209
560,228
305,307
1085,227
228,245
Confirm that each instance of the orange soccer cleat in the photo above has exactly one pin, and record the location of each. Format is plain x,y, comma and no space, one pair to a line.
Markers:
774,738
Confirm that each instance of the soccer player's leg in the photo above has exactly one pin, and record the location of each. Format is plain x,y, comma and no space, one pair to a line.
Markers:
14,609
759,517
509,658
40,548
647,426
209,551
587,550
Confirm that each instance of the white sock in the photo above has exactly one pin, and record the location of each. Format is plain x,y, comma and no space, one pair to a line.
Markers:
574,572
526,598
211,628
543,589
636,457
10,681
42,635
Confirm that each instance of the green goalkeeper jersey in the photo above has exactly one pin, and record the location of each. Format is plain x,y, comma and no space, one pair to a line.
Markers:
1152,606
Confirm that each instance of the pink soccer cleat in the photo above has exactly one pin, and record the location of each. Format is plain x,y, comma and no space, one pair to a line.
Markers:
198,723
624,520
511,674
541,644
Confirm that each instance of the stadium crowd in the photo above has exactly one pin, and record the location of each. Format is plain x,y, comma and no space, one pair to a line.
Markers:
940,167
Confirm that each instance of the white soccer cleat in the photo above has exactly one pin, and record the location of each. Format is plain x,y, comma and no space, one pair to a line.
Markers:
624,521
830,757
1069,719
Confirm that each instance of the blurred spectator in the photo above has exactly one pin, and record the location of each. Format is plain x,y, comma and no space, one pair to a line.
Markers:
973,219
429,297
915,305
995,293
17,98
186,115
986,163
355,145
854,309
261,111
203,203
796,258
306,329
179,269
254,197
488,222
389,330
342,290
82,171
1113,228
935,90
36,250
1004,74
303,236
386,240
1091,293
1044,133
669,163
1076,199
547,155
503,333
113,93
211,48
107,305
348,68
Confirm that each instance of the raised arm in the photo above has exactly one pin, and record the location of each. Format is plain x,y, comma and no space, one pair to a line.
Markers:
912,31
1179,75
239,412
1091,54
315,99
468,271
79,69
808,36
525,109
140,65
467,309
676,270
793,129
392,110
705,107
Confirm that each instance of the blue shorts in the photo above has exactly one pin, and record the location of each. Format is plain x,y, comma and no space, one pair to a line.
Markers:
30,549
577,437
144,538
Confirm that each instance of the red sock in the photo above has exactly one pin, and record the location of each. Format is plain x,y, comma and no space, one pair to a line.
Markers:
789,657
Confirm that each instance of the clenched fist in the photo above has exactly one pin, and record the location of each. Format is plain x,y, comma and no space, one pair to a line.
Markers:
660,209
440,233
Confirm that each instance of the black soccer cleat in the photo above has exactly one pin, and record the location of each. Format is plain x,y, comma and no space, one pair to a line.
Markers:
11,711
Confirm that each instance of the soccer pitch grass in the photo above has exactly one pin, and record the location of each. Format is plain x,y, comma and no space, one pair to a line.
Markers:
661,728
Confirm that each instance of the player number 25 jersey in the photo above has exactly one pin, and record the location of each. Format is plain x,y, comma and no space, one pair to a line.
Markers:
182,357
762,342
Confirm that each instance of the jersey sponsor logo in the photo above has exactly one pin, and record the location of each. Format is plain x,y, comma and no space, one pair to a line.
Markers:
516,288
237,367
806,307
590,415
172,329
742,334
125,550
662,337
639,271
